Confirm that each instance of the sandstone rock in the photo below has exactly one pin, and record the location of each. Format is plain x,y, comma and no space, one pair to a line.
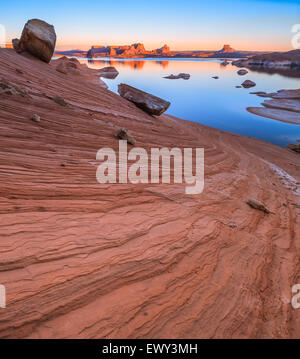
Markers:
38,38
61,68
147,102
15,43
179,76
258,205
287,94
60,101
66,66
248,83
227,49
276,114
35,118
165,50
242,72
290,105
10,89
99,244
124,134
109,72
258,93
293,147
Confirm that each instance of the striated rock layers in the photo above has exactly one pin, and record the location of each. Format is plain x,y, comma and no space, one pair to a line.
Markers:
84,260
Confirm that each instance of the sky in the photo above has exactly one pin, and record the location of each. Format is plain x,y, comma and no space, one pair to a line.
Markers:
183,25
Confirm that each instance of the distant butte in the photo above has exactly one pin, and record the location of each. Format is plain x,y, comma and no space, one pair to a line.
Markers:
139,50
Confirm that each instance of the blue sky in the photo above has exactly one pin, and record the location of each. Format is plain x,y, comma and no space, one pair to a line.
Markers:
183,25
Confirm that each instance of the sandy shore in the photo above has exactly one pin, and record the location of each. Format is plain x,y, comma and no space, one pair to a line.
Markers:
84,260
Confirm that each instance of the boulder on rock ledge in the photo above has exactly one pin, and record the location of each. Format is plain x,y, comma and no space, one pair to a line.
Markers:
147,102
38,38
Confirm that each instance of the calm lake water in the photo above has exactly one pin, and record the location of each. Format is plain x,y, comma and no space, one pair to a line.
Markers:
216,103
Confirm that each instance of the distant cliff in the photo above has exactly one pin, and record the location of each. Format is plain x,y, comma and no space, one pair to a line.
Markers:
127,51
138,50
283,60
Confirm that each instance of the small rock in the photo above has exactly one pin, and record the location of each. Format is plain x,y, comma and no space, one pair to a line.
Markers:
258,205
35,118
238,87
242,72
215,77
15,43
124,134
60,101
232,225
179,76
248,83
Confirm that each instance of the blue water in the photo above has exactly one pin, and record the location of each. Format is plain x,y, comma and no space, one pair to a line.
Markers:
216,103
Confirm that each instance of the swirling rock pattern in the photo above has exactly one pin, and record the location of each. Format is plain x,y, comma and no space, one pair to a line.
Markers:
84,260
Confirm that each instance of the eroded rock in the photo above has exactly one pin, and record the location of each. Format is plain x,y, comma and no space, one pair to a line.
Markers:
147,102
290,105
242,72
179,76
109,72
293,147
276,114
248,83
35,118
38,38
258,205
124,134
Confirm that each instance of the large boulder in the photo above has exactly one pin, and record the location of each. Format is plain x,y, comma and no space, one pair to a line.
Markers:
147,102
38,38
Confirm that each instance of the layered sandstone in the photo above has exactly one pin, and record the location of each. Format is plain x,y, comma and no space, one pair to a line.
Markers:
84,260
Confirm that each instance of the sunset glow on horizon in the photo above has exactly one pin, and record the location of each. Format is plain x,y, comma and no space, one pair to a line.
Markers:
262,25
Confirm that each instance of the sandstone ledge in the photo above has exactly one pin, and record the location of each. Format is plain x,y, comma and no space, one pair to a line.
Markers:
81,260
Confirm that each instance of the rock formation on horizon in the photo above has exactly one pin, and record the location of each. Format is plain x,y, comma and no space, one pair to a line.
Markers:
227,49
137,49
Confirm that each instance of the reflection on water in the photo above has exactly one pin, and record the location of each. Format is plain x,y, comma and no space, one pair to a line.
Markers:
283,72
134,64
215,103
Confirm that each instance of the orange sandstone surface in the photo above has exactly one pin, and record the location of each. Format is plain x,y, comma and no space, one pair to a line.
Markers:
84,260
